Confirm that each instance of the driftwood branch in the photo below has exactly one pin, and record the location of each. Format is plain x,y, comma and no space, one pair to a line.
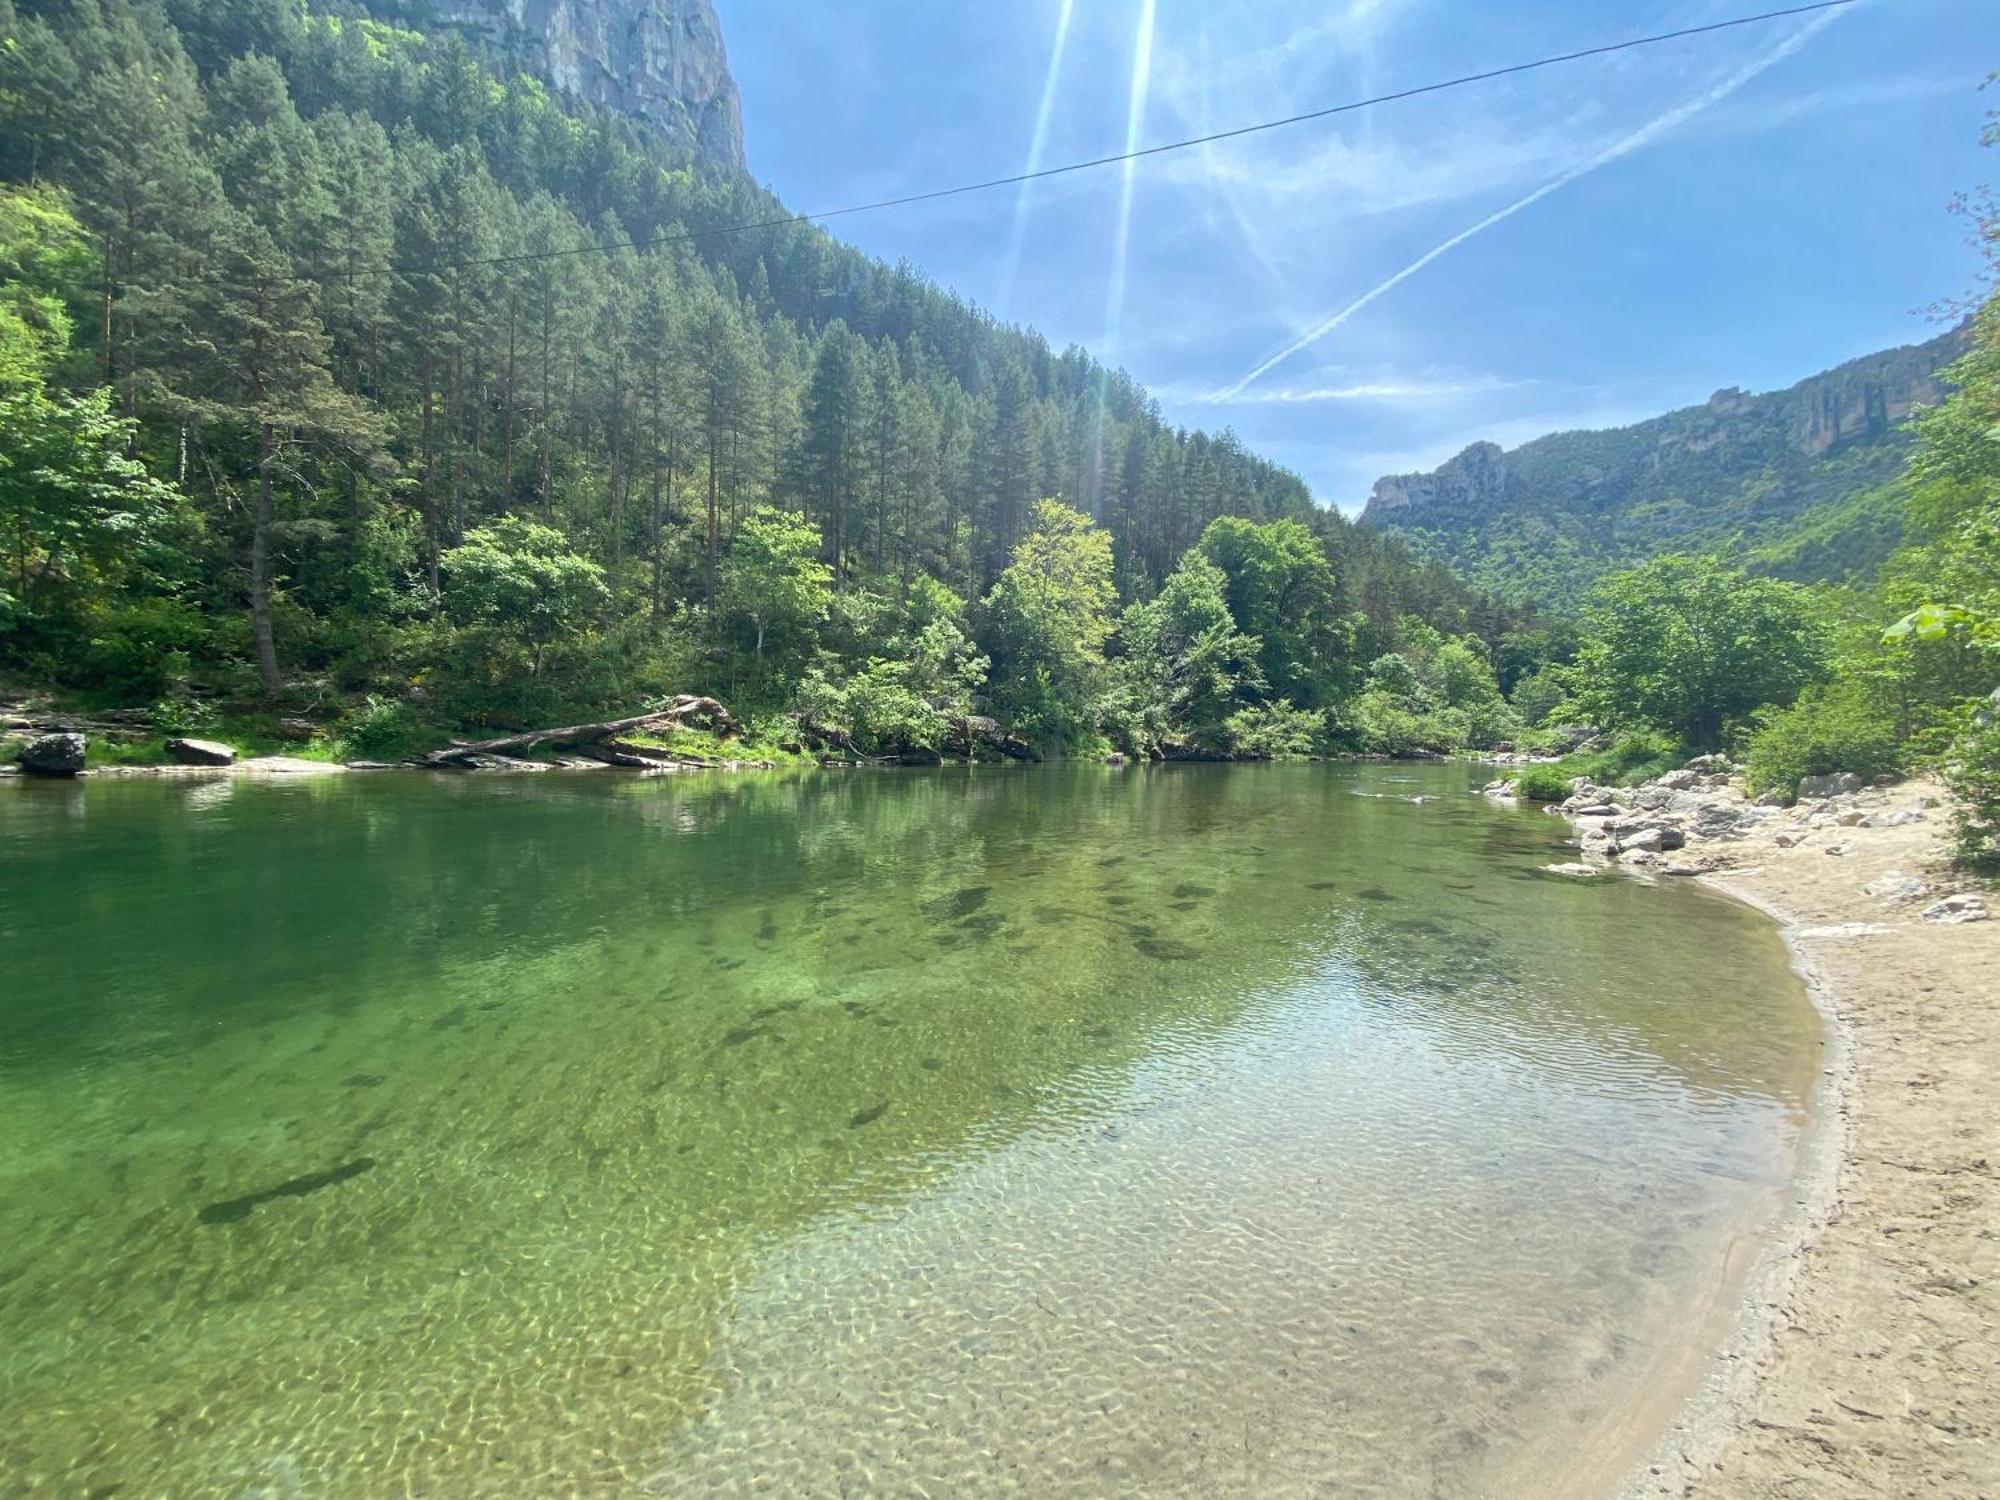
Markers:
973,730
674,715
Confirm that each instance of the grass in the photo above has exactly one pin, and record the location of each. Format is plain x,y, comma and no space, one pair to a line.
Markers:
1544,783
1626,762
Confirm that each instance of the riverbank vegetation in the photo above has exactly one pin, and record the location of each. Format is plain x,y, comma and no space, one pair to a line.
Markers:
1876,679
350,374
358,391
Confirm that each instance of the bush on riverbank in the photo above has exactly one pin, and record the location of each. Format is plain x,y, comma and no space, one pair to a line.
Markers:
1972,770
1627,761
1545,783
1836,726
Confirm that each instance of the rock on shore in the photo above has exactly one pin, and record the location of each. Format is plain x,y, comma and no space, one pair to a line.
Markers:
58,754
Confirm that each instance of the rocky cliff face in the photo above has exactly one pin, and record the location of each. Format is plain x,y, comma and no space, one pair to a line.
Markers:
1738,470
661,61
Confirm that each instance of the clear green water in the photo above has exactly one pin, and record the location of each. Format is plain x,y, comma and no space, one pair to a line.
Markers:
1067,1131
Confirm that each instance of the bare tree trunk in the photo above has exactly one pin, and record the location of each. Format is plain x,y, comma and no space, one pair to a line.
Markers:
714,504
507,440
260,571
430,483
659,521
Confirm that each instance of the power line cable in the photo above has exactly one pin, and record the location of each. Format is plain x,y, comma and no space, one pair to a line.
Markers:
1014,180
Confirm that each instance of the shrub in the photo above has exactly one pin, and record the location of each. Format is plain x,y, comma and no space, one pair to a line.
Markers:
1544,783
135,646
1390,725
179,714
1491,724
1972,771
382,731
1630,759
1836,726
1273,731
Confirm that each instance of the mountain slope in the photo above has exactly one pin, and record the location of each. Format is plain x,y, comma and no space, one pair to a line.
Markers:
1802,480
437,249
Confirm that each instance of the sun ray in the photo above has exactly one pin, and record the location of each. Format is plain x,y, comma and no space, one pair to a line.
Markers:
1037,144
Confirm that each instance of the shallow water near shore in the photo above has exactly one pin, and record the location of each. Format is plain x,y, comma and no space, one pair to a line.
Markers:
1069,1130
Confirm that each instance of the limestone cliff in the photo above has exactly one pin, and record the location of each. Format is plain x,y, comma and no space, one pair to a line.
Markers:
1774,471
661,61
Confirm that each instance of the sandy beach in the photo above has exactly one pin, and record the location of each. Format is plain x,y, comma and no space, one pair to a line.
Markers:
1866,1361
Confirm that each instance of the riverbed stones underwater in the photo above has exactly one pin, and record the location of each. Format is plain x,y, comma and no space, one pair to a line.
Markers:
561,1134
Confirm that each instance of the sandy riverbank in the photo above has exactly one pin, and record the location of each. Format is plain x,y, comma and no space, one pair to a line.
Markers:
1866,1361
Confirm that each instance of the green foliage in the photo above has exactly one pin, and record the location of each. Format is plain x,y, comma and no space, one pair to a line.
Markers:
774,603
1395,674
1543,783
1273,731
1189,668
1971,769
1841,725
1539,694
329,434
1282,593
135,650
179,714
1388,723
1687,645
1462,675
381,730
1045,623
44,260
1628,760
521,591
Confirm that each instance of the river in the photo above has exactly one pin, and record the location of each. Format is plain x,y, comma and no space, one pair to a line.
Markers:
1072,1130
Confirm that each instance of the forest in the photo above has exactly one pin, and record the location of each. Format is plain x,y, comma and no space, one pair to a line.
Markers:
356,389
353,375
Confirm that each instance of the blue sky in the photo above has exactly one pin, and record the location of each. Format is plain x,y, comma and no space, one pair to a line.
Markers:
1739,209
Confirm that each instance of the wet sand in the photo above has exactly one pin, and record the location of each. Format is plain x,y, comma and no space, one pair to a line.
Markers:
1866,1359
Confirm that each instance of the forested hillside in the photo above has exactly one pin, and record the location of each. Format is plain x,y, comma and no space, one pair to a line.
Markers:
375,377
1803,483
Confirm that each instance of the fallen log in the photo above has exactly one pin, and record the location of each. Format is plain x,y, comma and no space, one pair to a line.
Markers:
973,730
674,715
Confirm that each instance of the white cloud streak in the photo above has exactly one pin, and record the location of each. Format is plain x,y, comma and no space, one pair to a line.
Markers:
1646,134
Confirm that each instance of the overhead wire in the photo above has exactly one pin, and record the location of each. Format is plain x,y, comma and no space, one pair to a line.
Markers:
1015,179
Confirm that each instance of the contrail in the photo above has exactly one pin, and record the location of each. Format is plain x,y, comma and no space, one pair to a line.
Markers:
1646,133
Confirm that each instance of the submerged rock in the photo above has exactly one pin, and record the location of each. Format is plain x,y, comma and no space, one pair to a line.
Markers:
59,754
956,904
1574,869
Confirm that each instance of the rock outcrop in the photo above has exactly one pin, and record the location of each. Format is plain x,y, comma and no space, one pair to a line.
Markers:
661,61
58,754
